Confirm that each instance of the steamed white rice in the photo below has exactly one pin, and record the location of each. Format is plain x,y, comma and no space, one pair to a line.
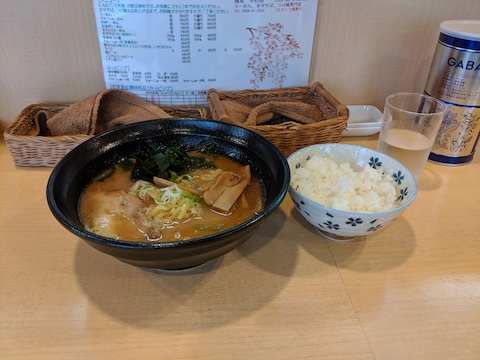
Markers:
340,187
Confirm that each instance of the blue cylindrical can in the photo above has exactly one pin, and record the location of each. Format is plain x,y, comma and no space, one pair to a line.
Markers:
454,78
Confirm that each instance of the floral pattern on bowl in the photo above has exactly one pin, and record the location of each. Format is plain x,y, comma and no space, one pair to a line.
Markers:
342,225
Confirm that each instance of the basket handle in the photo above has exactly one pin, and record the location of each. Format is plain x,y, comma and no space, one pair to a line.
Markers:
318,89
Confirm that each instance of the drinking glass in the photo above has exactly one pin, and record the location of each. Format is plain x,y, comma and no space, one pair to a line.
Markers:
410,124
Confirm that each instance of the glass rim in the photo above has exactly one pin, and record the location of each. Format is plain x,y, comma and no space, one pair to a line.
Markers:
438,103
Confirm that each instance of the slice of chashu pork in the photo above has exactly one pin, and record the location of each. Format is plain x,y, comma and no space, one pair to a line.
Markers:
117,209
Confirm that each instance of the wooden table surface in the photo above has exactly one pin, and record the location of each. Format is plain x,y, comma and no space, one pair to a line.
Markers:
410,291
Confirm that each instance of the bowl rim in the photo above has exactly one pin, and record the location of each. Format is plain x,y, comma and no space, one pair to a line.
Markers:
357,213
140,245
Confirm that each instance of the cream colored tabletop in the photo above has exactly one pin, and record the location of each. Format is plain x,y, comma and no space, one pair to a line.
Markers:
410,291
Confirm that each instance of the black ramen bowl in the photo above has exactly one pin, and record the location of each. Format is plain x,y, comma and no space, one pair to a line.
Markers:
77,169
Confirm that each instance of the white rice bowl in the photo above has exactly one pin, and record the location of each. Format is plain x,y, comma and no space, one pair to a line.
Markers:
340,187
347,191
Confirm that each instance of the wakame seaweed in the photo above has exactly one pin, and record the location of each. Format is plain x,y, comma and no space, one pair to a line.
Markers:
169,163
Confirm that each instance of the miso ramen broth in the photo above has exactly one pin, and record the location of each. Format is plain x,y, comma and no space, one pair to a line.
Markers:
115,206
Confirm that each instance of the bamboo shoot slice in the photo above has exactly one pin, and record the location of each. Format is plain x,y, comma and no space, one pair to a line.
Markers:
230,196
214,189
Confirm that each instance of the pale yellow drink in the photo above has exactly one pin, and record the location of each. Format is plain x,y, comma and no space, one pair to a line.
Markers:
409,147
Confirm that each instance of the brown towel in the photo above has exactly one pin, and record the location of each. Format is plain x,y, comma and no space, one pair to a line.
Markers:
97,113
252,112
300,111
40,123
239,113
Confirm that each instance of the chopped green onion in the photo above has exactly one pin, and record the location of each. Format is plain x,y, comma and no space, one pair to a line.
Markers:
209,227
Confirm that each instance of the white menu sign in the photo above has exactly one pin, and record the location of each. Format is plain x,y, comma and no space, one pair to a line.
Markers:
172,52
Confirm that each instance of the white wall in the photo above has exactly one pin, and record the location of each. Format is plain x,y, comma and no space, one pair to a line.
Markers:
363,51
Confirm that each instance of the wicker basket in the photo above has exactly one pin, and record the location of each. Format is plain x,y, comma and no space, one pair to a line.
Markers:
48,150
290,136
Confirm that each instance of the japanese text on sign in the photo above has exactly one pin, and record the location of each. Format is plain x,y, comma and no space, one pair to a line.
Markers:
172,52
